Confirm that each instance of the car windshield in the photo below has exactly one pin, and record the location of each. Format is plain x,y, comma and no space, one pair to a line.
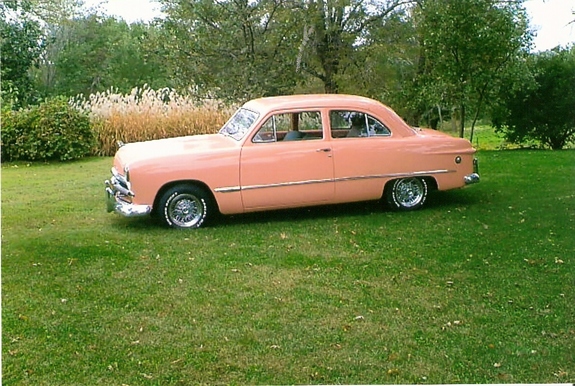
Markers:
239,124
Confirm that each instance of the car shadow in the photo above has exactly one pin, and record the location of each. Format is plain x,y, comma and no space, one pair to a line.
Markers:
306,213
451,198
436,200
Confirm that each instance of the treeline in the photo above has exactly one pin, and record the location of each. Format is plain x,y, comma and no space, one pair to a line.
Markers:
431,60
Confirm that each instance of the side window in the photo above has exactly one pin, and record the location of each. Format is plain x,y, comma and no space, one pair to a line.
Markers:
376,128
348,124
267,132
305,125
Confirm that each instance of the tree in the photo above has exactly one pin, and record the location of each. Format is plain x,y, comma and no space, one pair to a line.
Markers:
247,48
391,61
94,53
334,31
544,110
468,47
20,49
236,49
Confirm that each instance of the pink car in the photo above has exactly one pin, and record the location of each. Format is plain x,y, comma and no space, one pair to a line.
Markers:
288,152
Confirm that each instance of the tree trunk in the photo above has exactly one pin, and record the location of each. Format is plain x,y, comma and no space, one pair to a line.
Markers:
462,122
330,85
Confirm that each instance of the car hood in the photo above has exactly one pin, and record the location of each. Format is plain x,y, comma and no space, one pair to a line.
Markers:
142,152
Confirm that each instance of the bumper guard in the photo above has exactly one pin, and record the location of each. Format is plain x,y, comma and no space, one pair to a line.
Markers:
116,203
473,178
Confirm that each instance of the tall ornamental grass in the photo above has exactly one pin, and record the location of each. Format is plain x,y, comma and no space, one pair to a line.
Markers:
146,114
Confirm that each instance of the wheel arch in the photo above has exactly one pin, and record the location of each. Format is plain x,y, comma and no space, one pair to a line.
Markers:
171,184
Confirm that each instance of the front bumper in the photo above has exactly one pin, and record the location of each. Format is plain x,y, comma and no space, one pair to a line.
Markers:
118,198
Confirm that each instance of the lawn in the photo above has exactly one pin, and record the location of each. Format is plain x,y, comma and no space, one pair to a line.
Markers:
475,288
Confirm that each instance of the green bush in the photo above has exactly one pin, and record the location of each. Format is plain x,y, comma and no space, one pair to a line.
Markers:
54,130
545,110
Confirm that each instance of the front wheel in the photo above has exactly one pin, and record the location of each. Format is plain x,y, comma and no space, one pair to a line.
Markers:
407,193
185,206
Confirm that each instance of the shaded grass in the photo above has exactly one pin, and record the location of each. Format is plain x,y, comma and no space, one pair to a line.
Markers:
475,288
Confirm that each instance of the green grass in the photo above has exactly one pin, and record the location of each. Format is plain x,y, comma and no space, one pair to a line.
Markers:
475,288
486,138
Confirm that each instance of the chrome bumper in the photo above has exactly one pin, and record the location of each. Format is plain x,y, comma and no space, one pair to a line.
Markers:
115,201
473,178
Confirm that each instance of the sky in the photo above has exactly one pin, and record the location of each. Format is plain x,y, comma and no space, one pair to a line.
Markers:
550,19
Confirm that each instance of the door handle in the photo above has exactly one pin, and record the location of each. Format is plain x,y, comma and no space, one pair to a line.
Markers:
325,150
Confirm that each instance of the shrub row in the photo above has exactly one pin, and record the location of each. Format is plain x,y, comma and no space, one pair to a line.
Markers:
53,130
64,130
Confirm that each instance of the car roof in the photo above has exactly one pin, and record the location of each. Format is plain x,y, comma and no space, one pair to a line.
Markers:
310,101
331,101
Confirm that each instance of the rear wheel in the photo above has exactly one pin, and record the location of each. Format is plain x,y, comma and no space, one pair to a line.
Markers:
185,206
407,193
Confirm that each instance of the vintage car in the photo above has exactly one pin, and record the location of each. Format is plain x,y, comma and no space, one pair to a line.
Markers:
287,152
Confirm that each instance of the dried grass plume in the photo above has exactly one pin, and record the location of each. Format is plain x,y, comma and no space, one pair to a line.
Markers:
146,114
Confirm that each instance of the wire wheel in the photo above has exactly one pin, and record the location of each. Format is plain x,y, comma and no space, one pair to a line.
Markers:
407,193
184,207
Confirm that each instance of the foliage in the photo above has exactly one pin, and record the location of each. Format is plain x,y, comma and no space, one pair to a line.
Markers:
240,49
232,49
44,11
94,53
387,65
20,50
333,33
24,39
468,46
347,294
544,110
146,114
52,130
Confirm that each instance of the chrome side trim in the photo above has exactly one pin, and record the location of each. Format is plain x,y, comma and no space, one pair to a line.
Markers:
232,189
395,175
281,184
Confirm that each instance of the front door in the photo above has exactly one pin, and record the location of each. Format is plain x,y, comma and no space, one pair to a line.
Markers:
287,163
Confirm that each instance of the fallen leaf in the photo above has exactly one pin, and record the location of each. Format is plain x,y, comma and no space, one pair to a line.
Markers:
393,357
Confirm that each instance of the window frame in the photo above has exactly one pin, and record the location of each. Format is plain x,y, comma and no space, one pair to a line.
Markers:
366,126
